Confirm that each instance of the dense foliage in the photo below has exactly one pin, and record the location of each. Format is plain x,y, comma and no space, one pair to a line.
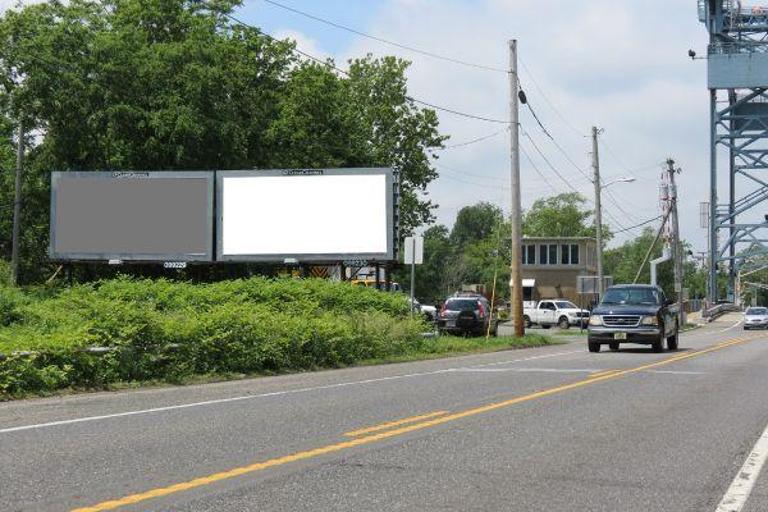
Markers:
157,329
177,84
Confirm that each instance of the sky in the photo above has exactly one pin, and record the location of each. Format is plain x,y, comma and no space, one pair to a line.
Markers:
620,66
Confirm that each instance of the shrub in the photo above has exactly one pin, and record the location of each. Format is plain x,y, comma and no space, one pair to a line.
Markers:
158,329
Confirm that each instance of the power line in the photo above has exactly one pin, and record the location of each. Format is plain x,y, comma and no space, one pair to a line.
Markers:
569,159
386,41
473,141
463,173
332,66
538,171
548,101
639,225
546,160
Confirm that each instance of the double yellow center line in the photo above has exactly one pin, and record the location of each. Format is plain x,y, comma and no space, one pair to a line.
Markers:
392,429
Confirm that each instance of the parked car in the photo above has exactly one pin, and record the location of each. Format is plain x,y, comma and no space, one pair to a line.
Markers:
560,312
428,312
468,315
756,318
634,313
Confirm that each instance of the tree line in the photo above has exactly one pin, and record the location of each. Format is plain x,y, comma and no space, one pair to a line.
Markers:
179,85
477,249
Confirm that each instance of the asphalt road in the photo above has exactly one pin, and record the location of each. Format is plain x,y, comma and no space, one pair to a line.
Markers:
549,429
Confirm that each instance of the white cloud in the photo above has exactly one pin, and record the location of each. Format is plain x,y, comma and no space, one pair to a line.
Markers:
618,65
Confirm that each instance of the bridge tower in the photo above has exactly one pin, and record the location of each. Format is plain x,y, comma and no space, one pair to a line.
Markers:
737,76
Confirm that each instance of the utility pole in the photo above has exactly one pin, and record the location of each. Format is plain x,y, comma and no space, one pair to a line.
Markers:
516,277
677,250
598,212
17,207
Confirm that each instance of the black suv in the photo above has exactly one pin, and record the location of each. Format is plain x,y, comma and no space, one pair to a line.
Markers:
467,314
634,313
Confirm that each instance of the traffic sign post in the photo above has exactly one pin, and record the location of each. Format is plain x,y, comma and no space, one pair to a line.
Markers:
414,255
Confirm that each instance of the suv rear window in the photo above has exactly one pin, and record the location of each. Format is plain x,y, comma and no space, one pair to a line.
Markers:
632,296
461,304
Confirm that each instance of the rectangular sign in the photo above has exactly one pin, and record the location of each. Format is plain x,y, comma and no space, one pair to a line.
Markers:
413,247
305,215
137,216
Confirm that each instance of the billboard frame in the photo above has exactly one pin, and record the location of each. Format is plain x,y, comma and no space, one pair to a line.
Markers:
206,257
385,257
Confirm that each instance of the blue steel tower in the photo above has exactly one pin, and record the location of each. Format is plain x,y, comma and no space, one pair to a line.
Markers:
738,84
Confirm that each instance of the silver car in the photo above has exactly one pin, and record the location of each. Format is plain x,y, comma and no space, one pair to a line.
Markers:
756,318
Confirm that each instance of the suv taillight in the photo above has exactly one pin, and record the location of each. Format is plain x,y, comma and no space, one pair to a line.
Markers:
442,310
480,309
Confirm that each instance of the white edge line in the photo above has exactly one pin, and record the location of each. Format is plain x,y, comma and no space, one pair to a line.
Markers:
738,493
732,327
264,395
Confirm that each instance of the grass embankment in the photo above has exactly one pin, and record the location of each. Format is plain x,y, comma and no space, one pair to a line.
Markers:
93,336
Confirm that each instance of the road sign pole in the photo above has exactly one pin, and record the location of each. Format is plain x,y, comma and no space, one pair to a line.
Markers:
413,271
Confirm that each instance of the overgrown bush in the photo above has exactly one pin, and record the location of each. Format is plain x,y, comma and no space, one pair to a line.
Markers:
158,329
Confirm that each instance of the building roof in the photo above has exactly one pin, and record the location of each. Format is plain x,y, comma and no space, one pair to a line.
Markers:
563,238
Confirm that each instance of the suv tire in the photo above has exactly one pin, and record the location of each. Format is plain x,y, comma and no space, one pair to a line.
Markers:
672,341
527,322
593,346
658,345
563,323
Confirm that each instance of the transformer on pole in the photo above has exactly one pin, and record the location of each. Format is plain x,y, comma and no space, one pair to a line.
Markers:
738,83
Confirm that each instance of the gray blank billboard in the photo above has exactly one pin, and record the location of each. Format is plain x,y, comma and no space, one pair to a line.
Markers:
140,216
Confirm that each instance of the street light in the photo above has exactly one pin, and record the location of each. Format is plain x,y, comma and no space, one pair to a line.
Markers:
625,179
599,225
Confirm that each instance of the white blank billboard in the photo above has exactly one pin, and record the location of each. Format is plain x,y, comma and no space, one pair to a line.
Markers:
307,215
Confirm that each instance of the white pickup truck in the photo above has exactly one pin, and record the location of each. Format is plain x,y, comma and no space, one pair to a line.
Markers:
560,312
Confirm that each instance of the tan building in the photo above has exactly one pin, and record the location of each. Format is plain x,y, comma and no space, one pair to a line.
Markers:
551,267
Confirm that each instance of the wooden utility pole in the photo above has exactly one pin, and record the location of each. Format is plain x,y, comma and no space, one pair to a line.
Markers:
17,207
677,250
516,278
598,213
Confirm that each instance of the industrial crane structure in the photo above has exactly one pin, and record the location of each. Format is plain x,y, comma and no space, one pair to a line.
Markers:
737,78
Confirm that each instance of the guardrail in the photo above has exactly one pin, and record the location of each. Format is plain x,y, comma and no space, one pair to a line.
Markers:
718,310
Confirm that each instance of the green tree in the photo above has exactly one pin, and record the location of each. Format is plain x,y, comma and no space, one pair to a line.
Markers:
175,84
475,223
561,215
624,261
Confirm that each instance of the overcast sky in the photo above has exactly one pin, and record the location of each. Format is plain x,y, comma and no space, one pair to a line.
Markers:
621,66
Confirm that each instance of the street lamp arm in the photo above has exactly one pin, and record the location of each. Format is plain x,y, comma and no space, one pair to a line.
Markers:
625,179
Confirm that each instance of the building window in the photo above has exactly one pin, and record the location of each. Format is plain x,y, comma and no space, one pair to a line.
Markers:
574,254
543,255
553,254
564,255
529,255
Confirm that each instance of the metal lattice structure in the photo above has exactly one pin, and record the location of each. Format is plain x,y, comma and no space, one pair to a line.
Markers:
738,84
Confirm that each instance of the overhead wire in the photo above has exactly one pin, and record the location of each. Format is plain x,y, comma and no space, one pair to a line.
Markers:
636,226
330,65
538,171
473,141
439,107
387,41
546,98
